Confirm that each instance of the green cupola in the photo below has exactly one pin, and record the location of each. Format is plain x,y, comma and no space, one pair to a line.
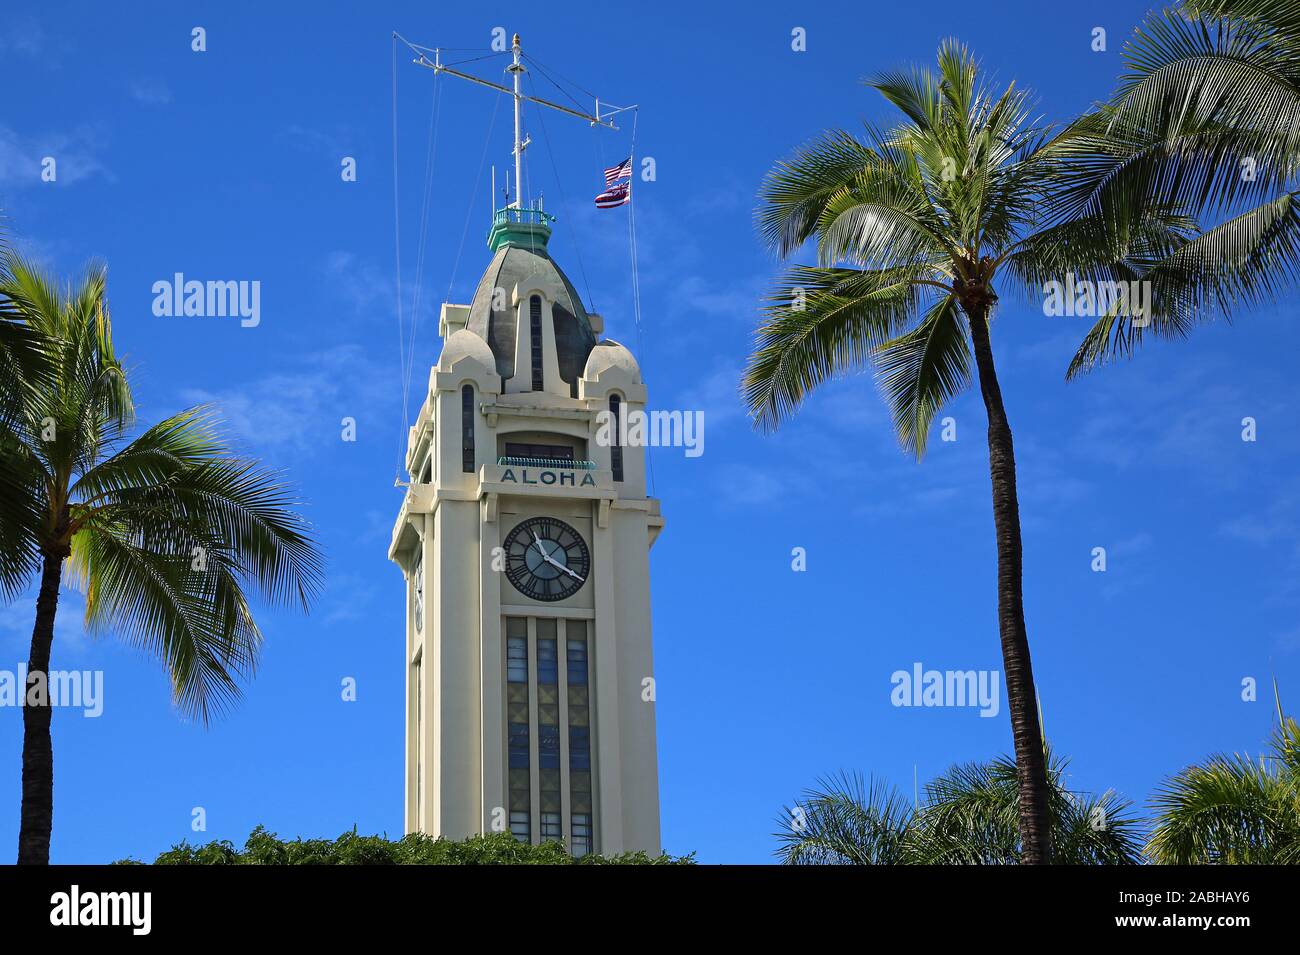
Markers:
525,228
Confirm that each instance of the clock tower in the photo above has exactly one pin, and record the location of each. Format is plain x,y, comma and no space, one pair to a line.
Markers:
524,540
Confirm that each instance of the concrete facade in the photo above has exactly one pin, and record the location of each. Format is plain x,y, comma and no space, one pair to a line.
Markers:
460,507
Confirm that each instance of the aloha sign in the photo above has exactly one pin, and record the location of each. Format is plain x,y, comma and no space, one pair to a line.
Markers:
548,477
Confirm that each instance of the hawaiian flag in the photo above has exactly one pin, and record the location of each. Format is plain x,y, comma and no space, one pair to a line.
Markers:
616,195
622,171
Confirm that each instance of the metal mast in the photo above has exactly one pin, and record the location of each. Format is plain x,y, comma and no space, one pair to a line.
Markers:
516,68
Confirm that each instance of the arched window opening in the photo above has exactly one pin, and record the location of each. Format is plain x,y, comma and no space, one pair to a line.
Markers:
615,448
467,429
535,324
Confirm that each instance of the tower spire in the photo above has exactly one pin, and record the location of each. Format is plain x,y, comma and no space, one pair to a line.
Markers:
516,70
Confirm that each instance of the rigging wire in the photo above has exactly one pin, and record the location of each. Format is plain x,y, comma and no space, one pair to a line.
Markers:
397,245
445,49
522,189
475,59
631,211
636,275
561,76
523,192
542,70
469,207
429,161
564,202
405,350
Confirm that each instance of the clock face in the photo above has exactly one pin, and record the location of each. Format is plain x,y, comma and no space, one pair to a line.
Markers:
546,559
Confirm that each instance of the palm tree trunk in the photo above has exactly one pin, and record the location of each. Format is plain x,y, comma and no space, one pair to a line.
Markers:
38,753
1031,769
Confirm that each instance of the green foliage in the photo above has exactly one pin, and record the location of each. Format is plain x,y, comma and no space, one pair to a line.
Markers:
265,848
1185,181
846,821
1233,809
1204,125
168,531
919,223
1229,810
968,816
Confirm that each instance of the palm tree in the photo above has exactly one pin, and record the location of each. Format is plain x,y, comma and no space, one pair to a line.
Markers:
968,816
916,228
971,817
846,821
163,531
1205,122
22,358
1233,809
24,366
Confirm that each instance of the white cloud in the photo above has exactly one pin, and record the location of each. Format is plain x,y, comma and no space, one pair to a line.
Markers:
22,157
1268,521
302,409
347,598
750,486
717,396
314,141
151,92
368,290
18,618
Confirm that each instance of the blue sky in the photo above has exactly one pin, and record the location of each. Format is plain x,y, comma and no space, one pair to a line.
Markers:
225,164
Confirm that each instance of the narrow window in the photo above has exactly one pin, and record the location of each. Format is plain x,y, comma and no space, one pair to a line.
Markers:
419,740
545,452
467,429
517,735
579,738
581,834
548,728
535,325
417,584
615,449
551,831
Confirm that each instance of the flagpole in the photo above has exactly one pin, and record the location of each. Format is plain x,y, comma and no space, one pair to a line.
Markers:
516,69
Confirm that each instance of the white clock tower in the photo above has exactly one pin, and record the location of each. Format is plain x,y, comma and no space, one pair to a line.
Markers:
524,540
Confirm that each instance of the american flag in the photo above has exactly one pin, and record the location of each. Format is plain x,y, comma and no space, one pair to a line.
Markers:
616,195
622,171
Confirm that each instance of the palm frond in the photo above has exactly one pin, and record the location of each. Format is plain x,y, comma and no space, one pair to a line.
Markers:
1229,810
822,322
1233,809
1279,18
969,815
796,191
1247,260
194,620
844,820
166,531
923,369
879,219
170,530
